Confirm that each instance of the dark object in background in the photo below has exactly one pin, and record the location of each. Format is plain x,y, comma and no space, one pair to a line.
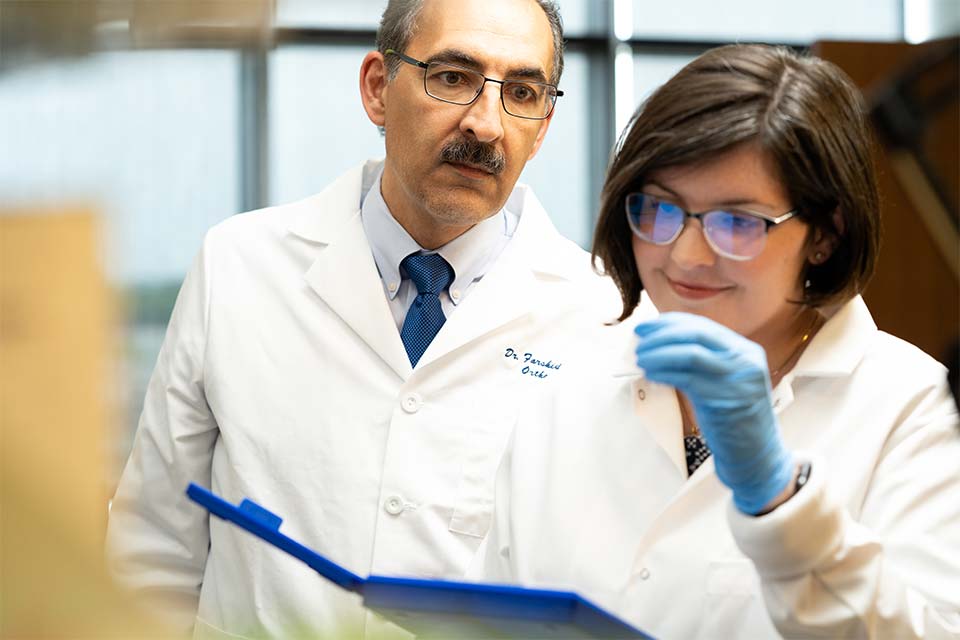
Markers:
952,359
912,91
905,108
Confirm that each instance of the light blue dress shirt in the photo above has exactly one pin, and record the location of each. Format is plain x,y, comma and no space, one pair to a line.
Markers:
471,254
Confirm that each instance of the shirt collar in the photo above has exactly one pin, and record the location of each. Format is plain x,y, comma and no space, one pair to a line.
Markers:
840,344
389,241
470,254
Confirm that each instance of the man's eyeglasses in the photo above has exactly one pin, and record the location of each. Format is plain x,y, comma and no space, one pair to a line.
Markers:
734,234
459,85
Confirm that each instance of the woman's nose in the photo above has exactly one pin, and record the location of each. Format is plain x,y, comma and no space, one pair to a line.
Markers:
691,249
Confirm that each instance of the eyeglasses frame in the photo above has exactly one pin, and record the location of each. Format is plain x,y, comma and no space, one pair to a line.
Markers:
769,221
426,65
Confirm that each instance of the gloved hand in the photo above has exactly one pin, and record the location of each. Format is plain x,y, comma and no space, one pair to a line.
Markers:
726,379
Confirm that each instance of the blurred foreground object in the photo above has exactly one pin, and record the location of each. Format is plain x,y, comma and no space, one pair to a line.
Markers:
35,30
55,363
912,92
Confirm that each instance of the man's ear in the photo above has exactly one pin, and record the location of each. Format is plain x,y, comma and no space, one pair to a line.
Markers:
373,87
544,125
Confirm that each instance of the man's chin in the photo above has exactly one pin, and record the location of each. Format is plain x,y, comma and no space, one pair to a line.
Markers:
463,206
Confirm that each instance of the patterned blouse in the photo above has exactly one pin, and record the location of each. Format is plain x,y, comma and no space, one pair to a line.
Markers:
697,452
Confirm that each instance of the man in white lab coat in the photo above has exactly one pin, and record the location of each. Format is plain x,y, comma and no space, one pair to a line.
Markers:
354,361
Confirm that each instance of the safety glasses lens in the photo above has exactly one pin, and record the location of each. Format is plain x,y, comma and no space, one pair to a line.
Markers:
654,220
735,235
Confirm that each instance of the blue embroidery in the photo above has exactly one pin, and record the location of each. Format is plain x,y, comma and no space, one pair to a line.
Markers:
533,366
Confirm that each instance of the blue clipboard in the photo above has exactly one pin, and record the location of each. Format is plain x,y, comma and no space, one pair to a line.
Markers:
438,608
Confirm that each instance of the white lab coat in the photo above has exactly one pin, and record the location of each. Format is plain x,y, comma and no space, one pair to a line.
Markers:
593,495
283,379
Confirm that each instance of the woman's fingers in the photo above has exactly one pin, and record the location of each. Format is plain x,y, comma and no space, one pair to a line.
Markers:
688,327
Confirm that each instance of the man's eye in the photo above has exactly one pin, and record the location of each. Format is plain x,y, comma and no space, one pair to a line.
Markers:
452,78
522,93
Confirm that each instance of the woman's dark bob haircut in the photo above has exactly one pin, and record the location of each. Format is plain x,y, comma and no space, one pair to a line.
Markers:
805,113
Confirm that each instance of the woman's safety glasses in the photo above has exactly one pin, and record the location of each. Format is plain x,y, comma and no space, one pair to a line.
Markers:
734,234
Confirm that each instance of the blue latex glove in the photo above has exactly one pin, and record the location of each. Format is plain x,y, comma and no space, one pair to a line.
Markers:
725,377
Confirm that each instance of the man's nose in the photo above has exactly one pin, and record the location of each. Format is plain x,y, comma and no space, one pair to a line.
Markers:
691,250
484,117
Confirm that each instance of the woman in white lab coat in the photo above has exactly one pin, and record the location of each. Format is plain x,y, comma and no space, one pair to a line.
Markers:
770,463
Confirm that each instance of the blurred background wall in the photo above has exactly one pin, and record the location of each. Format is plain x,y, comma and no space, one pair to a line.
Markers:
166,116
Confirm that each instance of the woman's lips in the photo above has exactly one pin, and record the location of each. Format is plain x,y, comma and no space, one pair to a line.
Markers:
693,291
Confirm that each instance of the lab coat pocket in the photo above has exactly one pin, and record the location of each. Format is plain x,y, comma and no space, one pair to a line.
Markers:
733,600
482,452
205,631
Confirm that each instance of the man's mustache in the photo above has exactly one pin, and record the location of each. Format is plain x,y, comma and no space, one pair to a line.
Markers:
475,154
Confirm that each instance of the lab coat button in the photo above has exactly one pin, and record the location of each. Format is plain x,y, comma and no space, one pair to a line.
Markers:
644,573
455,294
411,403
641,394
392,287
393,505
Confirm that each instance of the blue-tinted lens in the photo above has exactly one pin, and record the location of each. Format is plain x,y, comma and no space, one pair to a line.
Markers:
734,234
653,219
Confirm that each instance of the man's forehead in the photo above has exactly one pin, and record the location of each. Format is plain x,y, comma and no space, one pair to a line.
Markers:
502,34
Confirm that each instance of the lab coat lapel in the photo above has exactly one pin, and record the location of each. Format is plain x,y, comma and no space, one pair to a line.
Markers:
510,289
345,276
659,411
502,296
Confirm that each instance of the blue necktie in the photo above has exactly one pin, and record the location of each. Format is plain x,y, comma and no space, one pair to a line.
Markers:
431,274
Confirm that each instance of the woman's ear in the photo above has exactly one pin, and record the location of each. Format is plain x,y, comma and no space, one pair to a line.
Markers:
373,87
825,240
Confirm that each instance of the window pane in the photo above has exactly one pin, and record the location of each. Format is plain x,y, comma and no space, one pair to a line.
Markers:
584,17
352,14
561,174
652,70
317,126
930,19
150,136
762,20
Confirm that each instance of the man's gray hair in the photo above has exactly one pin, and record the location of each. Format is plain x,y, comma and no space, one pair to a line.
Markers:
399,23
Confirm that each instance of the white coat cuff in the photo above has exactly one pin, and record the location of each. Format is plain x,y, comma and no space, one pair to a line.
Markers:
798,535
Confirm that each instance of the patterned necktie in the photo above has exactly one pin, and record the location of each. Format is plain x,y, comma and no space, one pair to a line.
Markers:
431,274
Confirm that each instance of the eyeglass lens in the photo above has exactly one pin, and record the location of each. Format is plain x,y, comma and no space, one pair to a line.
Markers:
732,234
461,86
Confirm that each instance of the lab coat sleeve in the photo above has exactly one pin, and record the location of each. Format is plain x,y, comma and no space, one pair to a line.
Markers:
894,571
157,540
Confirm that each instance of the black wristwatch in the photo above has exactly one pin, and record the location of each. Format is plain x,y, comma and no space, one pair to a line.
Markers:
803,476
